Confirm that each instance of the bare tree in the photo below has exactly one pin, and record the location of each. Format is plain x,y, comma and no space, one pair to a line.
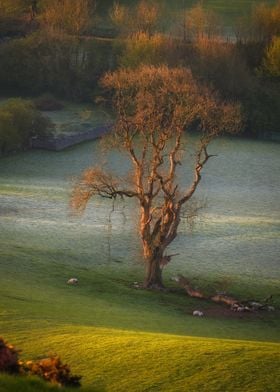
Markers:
71,17
154,106
261,26
200,23
143,18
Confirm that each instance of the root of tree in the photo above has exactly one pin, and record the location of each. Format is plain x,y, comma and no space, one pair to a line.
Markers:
235,304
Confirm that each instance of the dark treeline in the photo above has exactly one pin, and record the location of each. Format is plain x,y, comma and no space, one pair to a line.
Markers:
61,47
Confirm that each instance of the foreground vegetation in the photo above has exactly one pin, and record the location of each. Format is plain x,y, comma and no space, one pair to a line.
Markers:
122,361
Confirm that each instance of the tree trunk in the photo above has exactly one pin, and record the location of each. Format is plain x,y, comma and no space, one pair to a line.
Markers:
153,277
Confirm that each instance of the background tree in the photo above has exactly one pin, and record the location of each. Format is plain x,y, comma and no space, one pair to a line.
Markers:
200,23
154,106
12,8
143,18
271,62
16,17
71,17
143,49
261,26
266,22
213,57
60,64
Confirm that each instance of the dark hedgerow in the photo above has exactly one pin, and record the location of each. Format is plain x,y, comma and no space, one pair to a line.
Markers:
50,369
9,362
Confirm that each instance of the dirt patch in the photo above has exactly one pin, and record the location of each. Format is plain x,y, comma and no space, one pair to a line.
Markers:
219,311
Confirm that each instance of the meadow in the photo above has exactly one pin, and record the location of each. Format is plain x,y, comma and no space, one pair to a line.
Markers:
119,338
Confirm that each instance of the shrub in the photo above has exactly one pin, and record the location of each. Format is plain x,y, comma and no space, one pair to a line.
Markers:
271,63
19,121
143,49
8,358
52,370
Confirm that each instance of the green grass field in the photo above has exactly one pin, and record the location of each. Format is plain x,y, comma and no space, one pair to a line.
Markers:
118,338
123,339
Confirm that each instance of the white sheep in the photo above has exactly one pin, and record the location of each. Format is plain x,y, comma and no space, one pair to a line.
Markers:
271,308
198,313
72,281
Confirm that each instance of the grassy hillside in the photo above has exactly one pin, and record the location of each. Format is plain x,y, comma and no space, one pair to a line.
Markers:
113,360
121,339
19,384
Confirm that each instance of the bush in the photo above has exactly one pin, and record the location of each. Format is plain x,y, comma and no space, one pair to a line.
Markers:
19,121
8,358
52,370
143,49
271,63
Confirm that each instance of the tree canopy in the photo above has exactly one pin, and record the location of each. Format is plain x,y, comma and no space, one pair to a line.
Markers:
154,106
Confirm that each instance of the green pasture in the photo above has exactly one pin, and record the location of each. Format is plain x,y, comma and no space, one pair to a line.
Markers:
118,338
123,339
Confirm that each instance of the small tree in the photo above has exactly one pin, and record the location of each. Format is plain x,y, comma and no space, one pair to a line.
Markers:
71,17
142,49
261,26
154,106
266,22
143,18
19,121
271,62
201,23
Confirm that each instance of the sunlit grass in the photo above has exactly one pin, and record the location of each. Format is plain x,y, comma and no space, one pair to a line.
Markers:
116,360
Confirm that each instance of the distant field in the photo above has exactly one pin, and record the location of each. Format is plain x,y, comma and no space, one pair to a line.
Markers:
229,9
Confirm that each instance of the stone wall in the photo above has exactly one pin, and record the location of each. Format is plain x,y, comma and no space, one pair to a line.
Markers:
61,142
